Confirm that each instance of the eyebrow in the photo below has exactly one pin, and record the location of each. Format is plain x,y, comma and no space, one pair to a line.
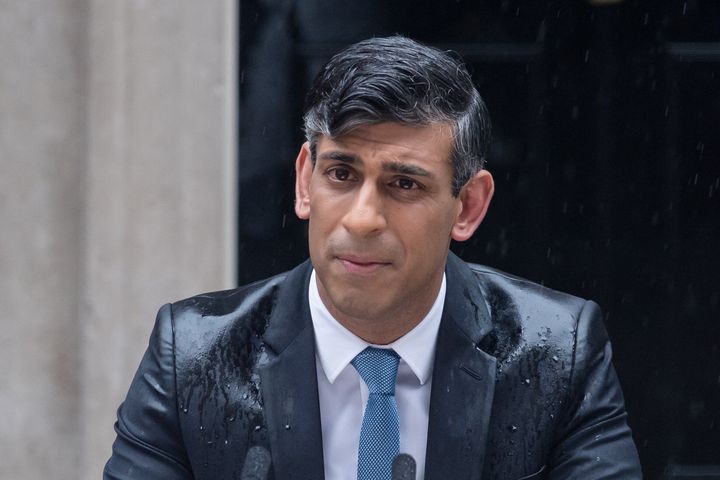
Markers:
406,169
394,167
339,157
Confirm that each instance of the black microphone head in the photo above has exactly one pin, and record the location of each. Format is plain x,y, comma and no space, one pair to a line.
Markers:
403,467
257,464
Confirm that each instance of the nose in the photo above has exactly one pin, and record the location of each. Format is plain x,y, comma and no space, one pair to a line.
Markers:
365,216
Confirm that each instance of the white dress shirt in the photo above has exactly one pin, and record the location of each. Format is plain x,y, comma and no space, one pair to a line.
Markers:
343,394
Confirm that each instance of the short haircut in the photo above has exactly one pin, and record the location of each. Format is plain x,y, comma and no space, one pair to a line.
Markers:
395,79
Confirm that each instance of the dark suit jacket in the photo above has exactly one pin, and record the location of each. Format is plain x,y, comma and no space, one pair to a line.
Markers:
523,386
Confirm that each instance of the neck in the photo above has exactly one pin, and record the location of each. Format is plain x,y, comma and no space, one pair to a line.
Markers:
378,329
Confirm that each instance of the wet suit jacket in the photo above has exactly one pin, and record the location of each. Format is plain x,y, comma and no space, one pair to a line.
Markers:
523,386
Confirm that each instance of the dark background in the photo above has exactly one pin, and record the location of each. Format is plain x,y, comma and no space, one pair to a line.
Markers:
606,156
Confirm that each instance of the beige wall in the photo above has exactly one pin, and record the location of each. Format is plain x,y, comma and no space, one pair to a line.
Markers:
42,144
117,194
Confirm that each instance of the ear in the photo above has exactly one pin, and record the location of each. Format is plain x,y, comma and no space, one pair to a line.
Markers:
303,174
474,198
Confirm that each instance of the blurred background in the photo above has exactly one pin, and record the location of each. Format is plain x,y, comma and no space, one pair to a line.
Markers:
146,153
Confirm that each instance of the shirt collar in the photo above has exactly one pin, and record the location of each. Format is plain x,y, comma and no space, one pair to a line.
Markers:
337,346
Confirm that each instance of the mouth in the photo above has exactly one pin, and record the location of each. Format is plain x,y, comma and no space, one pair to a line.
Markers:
361,265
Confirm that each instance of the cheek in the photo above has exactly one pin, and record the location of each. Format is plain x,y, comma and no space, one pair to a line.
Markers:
322,217
426,232
325,216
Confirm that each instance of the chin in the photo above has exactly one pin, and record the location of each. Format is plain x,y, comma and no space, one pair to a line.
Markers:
358,305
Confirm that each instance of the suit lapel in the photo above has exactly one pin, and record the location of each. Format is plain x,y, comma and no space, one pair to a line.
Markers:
463,382
289,383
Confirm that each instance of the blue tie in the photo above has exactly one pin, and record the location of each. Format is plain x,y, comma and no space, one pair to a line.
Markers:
380,432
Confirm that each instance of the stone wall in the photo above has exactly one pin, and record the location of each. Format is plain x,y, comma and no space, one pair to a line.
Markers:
117,194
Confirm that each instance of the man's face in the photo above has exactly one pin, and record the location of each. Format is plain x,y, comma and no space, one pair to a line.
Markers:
381,216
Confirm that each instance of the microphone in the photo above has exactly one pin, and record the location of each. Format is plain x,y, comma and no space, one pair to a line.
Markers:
403,467
257,464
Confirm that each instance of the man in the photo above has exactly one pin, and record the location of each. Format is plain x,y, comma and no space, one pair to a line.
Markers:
383,342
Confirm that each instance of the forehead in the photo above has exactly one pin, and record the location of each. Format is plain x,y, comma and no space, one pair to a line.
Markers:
399,142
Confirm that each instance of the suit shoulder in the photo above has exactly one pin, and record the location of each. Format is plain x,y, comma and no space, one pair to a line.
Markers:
520,287
205,326
218,341
224,302
527,316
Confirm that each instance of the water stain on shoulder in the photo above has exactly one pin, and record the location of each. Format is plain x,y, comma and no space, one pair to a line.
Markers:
218,384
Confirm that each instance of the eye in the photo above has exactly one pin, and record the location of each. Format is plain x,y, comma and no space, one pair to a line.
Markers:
405,184
340,174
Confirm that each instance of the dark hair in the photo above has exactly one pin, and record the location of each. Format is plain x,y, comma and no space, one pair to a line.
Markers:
396,79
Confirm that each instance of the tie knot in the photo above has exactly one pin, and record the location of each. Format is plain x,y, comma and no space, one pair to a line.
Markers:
378,368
